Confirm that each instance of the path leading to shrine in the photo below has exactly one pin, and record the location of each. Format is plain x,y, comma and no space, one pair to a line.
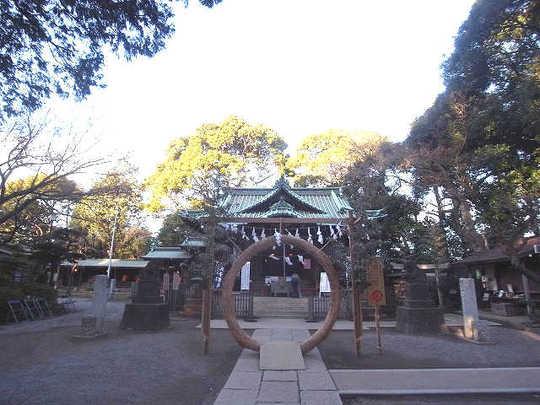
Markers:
248,384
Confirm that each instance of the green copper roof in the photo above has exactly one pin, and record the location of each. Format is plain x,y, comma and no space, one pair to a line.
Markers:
285,201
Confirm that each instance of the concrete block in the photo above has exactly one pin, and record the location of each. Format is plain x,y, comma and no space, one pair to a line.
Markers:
320,398
247,364
244,380
271,375
278,391
315,381
281,356
236,397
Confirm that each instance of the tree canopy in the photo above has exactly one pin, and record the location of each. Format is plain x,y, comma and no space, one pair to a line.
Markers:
198,167
58,47
96,214
324,159
476,149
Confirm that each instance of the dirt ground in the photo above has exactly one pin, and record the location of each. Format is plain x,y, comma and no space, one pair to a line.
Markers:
512,348
43,365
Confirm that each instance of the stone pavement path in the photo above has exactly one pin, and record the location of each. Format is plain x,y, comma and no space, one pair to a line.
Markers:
248,384
438,381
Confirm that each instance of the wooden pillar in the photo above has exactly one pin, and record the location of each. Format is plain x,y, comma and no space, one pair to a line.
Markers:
206,312
356,302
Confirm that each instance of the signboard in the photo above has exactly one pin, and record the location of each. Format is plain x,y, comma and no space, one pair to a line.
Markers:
375,280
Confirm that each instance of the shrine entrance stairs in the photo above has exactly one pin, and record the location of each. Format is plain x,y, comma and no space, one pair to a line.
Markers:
280,307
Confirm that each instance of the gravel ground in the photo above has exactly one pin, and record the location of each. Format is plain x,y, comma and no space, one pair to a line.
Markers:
512,348
40,364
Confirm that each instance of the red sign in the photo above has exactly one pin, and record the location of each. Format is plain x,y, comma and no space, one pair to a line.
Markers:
376,296
375,281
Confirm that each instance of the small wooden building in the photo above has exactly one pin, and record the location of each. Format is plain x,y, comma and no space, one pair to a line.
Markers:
498,280
124,271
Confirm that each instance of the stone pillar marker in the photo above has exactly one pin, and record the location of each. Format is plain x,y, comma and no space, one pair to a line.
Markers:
101,297
470,308
93,325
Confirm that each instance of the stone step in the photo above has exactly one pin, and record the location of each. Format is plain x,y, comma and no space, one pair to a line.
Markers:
280,307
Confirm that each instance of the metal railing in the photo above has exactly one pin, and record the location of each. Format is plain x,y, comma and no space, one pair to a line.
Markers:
318,306
243,303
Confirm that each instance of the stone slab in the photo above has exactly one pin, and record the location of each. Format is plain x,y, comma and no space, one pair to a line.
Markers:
278,403
236,397
437,381
247,364
320,398
315,381
281,355
314,363
244,380
278,391
271,375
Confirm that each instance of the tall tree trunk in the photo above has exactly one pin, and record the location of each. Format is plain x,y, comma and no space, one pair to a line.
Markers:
442,222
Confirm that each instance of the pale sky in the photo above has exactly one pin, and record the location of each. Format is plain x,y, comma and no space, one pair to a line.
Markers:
300,67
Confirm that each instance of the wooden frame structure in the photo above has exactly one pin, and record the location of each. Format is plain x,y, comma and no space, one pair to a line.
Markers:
229,311
283,205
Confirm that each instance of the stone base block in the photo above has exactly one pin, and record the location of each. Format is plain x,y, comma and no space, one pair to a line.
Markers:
145,317
415,321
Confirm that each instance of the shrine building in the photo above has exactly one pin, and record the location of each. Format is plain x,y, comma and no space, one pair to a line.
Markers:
317,215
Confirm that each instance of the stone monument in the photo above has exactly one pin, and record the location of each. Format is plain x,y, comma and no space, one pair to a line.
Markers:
418,314
470,308
93,324
147,311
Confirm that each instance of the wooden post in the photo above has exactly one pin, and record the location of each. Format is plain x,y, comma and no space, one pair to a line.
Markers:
207,292
378,328
357,303
376,293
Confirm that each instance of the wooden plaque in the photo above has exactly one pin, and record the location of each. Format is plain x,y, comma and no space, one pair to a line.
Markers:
375,279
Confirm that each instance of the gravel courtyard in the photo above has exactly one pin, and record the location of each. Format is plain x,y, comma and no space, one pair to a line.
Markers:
512,348
40,364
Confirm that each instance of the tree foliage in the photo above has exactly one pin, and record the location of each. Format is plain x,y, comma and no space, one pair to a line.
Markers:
58,47
323,159
476,149
199,166
114,198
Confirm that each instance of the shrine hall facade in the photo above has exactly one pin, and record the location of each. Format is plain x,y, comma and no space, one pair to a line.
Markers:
317,215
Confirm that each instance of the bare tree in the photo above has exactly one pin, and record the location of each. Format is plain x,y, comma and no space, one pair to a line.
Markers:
36,164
